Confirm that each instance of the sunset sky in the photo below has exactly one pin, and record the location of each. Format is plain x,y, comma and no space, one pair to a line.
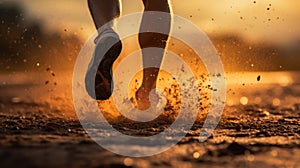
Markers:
272,20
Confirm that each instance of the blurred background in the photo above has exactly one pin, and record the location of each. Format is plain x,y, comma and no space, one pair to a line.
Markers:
254,35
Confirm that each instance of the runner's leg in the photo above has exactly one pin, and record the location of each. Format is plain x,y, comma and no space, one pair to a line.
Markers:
156,40
103,12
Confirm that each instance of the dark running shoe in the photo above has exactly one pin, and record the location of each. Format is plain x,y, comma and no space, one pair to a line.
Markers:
103,87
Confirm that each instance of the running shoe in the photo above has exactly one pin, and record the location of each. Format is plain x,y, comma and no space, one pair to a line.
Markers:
100,67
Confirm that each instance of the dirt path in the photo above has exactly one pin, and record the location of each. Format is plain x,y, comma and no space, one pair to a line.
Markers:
48,134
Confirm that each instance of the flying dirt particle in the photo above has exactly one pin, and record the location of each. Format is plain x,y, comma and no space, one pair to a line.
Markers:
38,64
241,17
270,4
48,69
254,1
212,19
53,74
40,46
46,82
65,30
191,16
258,78
55,84
268,8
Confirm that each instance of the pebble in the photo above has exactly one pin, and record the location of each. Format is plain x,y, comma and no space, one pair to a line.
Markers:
264,114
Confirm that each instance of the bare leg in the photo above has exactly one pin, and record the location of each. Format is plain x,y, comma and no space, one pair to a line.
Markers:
104,11
156,40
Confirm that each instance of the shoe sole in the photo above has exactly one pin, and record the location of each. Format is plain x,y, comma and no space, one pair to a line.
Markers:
103,87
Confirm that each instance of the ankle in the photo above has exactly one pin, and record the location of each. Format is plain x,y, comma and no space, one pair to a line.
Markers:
102,33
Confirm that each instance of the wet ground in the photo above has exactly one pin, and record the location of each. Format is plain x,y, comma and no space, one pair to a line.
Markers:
259,128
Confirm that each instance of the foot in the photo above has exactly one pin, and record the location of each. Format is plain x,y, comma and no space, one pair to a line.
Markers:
153,99
142,99
103,65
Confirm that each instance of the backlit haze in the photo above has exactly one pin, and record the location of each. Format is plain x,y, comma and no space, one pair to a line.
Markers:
264,20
